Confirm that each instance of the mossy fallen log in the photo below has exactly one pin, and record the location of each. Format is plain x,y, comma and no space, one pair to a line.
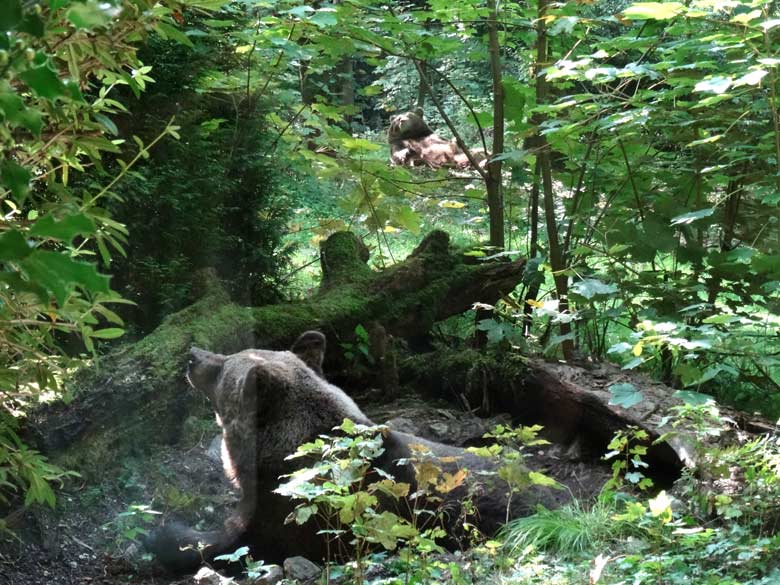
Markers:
137,396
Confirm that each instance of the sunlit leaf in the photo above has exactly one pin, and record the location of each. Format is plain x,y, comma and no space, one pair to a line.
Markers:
692,216
692,398
654,10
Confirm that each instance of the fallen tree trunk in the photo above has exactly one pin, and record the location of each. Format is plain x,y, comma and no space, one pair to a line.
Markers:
572,403
137,396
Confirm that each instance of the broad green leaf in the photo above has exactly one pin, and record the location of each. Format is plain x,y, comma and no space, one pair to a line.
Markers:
654,10
408,219
235,556
171,32
591,287
689,374
543,480
693,398
324,18
44,82
65,229
746,17
15,178
621,347
625,395
514,101
766,264
359,144
720,319
12,106
13,246
58,273
301,11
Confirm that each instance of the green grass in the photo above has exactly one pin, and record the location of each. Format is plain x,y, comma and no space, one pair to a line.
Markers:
569,531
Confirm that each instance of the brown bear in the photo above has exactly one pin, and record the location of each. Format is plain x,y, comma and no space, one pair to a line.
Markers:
413,143
268,403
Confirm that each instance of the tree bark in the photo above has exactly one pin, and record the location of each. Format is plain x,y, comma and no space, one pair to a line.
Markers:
493,181
557,261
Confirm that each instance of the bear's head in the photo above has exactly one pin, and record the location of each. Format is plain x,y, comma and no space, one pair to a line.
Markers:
407,126
268,403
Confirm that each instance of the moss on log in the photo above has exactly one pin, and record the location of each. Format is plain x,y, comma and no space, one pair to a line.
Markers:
137,396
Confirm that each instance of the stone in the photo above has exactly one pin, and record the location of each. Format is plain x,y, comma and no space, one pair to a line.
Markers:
273,575
301,569
206,576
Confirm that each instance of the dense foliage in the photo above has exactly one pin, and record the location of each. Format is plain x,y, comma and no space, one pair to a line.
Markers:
633,156
213,199
61,64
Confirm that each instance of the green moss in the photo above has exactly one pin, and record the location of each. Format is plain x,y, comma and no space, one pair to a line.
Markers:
344,259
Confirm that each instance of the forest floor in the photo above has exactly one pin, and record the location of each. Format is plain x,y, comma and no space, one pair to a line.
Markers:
85,540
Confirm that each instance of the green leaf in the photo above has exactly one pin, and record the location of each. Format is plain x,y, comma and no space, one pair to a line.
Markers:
235,556
324,18
625,395
15,178
409,219
13,246
206,4
300,11
654,10
692,216
65,229
12,106
107,123
108,333
537,478
90,14
10,14
766,264
44,82
591,287
58,273
716,84
171,32
693,398
689,374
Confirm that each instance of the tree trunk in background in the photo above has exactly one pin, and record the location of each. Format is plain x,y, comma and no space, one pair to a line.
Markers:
543,156
422,72
533,249
346,72
493,182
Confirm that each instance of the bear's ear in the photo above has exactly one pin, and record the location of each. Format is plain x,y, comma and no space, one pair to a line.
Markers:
419,112
310,347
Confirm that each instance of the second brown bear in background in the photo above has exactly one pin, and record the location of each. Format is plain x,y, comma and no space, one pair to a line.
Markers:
413,143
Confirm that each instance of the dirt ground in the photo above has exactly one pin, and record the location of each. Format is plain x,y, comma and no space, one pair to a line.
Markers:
84,541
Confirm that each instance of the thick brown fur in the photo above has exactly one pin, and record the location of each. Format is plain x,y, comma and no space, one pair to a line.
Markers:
268,403
413,143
